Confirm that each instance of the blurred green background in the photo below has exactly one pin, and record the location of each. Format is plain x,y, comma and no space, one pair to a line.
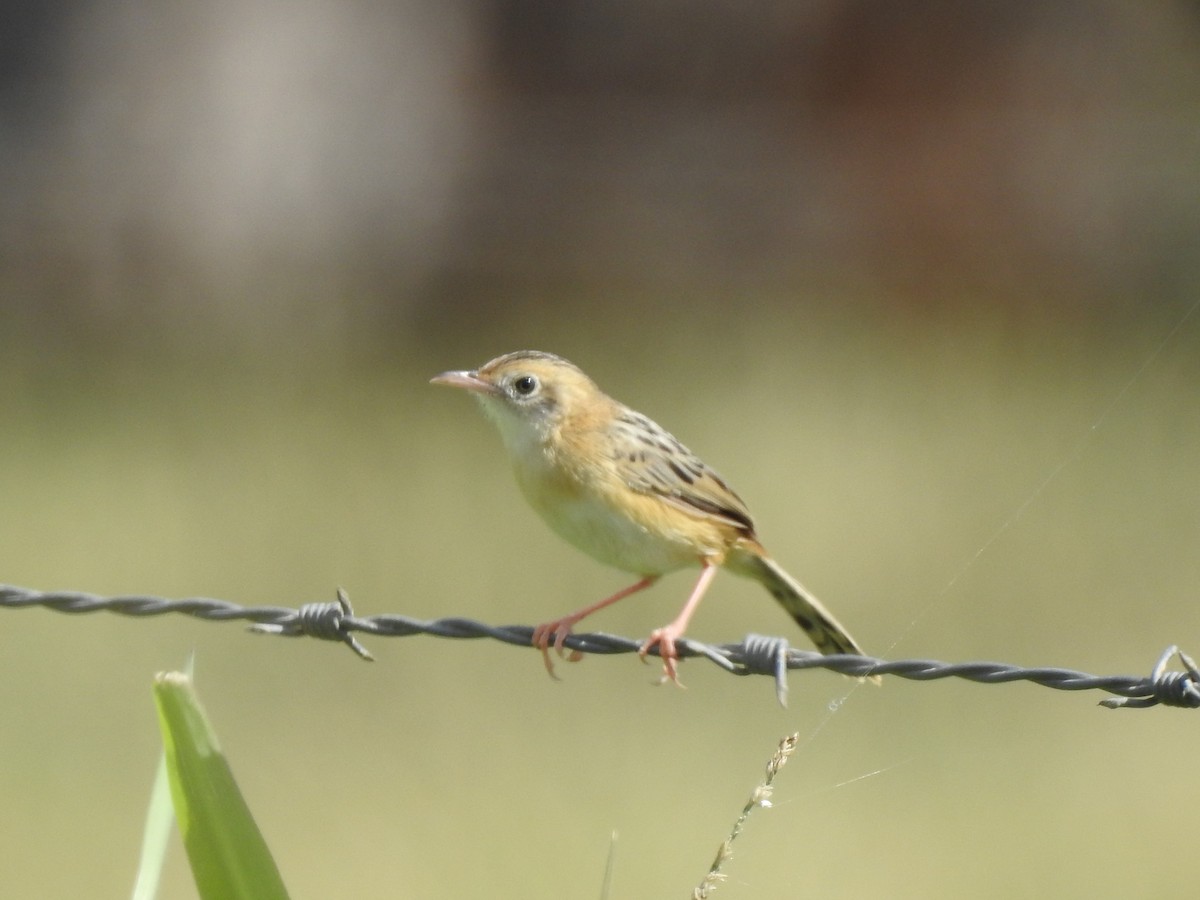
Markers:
915,280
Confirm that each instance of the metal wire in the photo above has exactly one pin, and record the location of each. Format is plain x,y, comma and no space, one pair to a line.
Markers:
755,655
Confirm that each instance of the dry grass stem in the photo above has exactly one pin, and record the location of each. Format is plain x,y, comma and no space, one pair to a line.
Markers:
760,796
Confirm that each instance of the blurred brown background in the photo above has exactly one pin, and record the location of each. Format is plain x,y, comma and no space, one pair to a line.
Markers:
914,277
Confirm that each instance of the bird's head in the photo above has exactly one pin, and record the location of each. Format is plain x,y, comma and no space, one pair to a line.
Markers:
528,394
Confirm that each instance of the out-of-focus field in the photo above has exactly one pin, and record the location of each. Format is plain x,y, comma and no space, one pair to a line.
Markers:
915,279
958,485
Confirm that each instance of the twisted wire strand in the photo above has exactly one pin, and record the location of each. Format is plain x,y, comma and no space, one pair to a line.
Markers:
755,655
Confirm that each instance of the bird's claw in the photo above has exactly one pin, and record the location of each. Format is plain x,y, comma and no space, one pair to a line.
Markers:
665,639
558,630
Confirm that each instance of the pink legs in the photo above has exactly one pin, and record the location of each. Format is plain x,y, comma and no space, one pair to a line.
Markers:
666,636
560,628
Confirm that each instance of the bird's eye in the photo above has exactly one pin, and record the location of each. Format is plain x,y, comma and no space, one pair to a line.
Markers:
525,385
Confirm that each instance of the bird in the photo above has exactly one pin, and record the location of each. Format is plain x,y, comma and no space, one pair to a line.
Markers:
622,489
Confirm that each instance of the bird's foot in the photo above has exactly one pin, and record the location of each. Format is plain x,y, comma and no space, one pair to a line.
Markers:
556,632
664,638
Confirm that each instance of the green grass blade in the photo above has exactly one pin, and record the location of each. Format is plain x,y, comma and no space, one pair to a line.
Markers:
156,836
160,816
229,858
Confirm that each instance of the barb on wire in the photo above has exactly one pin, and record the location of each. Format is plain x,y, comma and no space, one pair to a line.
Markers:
756,655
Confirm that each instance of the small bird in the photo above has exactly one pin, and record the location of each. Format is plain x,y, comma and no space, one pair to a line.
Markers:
623,490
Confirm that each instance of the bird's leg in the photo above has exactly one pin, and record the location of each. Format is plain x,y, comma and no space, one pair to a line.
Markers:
666,636
560,628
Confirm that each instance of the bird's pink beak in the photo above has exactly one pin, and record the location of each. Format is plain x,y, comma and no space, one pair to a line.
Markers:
467,380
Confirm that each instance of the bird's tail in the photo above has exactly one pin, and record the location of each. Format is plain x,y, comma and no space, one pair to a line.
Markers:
818,623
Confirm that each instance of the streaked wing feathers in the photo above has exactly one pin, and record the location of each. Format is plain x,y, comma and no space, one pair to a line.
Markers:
652,461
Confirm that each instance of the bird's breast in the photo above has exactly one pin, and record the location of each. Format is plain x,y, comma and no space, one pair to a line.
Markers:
594,511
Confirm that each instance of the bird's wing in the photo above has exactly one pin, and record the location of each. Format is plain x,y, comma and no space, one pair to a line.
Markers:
652,461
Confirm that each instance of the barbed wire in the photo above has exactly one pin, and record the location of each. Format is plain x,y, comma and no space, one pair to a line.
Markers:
754,655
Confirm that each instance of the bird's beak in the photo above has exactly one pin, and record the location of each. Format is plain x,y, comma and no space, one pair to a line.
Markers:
468,380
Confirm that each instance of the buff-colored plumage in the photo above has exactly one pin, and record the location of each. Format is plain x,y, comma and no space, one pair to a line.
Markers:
619,487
